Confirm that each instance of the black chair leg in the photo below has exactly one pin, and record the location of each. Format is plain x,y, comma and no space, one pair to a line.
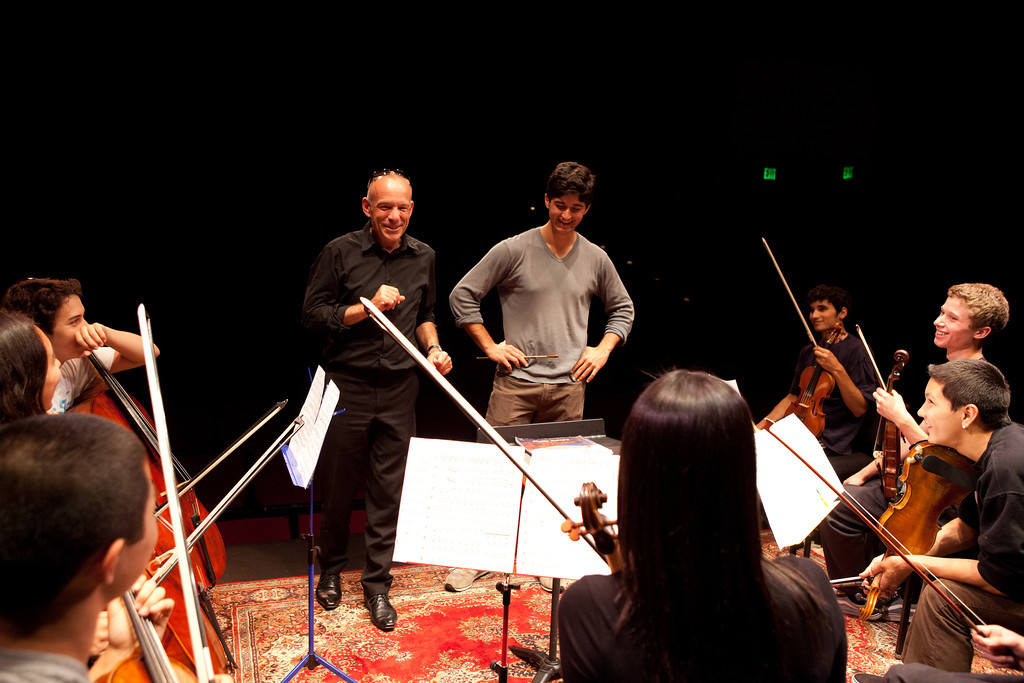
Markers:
911,591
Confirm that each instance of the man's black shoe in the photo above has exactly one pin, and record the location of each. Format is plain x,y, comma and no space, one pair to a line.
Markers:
328,591
382,614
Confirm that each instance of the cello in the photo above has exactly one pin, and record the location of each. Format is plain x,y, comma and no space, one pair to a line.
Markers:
118,405
595,524
149,662
209,558
202,660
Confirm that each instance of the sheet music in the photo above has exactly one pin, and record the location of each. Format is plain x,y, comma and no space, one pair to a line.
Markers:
461,508
795,500
544,549
302,453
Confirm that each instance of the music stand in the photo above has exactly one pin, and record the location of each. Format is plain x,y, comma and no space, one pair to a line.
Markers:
548,666
301,458
312,658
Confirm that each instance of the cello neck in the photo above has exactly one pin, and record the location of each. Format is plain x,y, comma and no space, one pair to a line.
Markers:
143,427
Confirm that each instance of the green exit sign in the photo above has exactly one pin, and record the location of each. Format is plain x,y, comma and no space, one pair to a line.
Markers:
847,172
769,173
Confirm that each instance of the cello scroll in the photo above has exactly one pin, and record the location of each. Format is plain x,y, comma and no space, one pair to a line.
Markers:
599,527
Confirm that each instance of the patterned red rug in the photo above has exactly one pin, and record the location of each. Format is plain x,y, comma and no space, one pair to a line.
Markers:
441,637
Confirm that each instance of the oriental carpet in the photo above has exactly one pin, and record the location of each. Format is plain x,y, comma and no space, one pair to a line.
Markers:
440,637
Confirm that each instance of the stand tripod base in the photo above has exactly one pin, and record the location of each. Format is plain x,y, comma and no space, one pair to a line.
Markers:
311,661
548,666
547,669
312,658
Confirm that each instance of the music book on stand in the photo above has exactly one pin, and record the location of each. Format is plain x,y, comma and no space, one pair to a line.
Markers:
465,505
301,455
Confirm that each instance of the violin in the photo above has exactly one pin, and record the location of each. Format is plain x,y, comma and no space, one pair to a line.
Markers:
815,386
891,435
933,478
945,463
590,501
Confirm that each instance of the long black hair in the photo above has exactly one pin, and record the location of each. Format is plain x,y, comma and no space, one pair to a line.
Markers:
693,571
23,366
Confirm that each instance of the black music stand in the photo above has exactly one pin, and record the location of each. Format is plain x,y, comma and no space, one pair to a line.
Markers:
548,666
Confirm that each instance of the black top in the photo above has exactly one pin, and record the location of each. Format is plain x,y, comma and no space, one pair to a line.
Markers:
841,426
996,511
354,266
593,650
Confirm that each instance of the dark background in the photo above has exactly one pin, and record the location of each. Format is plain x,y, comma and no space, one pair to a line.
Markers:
205,193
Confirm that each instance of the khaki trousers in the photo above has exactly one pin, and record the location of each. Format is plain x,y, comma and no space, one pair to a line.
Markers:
939,636
516,401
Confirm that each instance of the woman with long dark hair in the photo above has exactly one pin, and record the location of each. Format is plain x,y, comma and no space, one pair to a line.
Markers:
696,600
28,370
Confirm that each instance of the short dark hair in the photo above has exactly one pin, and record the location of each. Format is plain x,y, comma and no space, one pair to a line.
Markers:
40,298
570,177
975,381
72,484
23,367
837,296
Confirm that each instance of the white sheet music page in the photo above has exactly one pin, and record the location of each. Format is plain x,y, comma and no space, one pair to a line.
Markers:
544,549
303,451
460,506
795,500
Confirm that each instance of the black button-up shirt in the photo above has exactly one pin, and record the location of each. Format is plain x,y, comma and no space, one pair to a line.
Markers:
354,266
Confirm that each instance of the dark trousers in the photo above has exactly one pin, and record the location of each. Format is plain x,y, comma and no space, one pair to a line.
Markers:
367,444
847,542
919,673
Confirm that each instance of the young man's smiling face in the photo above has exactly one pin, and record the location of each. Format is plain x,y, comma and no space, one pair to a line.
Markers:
943,424
953,331
824,316
565,212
